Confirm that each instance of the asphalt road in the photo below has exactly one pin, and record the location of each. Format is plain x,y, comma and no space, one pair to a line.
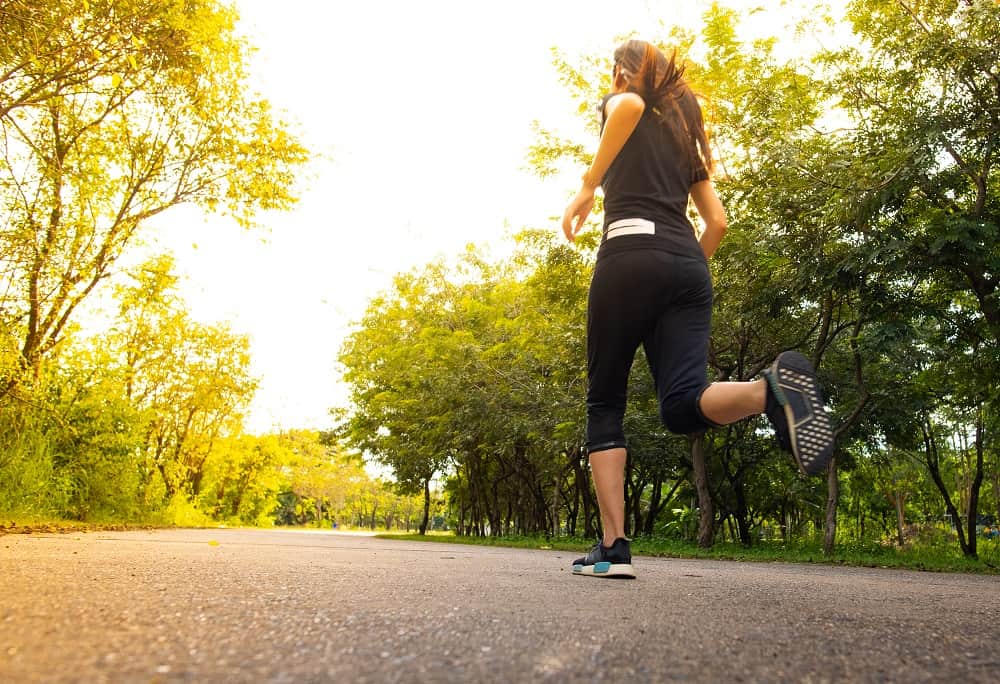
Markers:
284,606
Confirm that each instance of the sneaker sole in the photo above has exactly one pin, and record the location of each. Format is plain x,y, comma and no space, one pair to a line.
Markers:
811,434
605,569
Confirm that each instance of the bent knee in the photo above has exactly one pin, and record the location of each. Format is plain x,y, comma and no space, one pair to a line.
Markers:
675,422
681,418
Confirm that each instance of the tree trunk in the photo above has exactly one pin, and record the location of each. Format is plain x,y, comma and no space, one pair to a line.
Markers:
234,508
931,456
996,493
832,497
659,502
742,514
654,505
629,494
169,487
583,488
572,510
706,513
427,506
555,506
832,482
635,505
977,482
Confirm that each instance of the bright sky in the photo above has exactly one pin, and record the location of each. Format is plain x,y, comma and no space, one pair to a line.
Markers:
421,112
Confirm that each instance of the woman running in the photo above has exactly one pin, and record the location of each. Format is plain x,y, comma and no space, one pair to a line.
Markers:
651,286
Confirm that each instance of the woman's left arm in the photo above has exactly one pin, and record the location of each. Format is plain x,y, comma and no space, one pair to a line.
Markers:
623,113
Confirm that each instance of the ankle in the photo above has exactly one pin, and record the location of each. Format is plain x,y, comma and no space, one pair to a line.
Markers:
760,395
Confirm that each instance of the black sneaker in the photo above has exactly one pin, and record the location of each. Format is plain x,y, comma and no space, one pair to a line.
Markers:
795,408
607,561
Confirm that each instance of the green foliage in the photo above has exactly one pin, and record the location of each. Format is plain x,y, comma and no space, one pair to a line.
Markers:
113,112
182,512
480,370
120,423
192,381
861,188
29,486
97,439
931,559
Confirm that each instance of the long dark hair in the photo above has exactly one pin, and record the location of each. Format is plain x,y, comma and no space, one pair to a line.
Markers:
660,82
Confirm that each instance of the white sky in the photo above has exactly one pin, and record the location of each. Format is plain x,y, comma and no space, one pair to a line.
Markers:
421,112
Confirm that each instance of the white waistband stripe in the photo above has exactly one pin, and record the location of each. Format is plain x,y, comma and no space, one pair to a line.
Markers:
630,226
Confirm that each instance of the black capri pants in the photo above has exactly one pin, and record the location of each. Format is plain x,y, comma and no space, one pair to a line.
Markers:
662,301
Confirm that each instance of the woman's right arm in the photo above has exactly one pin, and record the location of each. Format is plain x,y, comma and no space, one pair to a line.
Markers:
623,113
710,208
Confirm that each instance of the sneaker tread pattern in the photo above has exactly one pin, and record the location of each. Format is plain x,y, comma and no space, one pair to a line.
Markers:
810,429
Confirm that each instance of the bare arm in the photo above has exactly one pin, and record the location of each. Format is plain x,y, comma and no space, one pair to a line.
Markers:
710,208
623,114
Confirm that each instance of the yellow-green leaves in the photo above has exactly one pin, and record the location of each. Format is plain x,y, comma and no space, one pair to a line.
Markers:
192,380
126,109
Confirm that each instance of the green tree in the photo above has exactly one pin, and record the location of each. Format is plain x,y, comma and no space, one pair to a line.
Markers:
113,111
192,380
402,365
243,477
478,370
93,439
322,473
923,93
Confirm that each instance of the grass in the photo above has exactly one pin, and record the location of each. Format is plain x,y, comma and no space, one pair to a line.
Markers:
933,559
936,558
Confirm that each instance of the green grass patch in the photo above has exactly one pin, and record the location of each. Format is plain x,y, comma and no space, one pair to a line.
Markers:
933,559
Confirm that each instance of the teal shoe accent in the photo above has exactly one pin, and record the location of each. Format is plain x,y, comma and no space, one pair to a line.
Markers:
601,567
577,568
779,394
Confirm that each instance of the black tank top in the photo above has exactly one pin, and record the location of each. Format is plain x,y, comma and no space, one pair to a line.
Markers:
651,179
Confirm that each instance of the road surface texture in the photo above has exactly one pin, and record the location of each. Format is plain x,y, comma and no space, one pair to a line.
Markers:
291,606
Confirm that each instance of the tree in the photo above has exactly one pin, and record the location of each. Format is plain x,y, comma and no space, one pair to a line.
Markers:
243,478
402,365
478,370
94,438
924,93
111,112
321,472
192,380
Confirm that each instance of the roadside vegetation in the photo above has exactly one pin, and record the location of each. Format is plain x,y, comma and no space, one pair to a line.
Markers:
935,558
